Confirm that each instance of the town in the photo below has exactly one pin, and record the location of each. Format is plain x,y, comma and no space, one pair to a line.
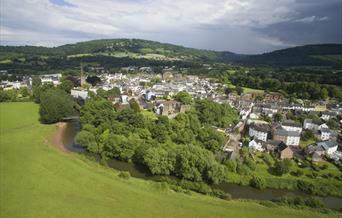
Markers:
268,121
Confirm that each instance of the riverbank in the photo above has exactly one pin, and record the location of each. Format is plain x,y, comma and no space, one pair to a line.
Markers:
57,138
237,189
37,181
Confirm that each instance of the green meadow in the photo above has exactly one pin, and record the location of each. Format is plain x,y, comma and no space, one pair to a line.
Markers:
38,180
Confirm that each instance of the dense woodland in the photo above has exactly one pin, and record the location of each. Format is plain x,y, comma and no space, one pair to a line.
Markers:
184,146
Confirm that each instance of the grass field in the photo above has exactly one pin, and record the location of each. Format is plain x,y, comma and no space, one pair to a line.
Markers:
37,180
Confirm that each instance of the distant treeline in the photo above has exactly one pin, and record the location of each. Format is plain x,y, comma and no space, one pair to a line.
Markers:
300,89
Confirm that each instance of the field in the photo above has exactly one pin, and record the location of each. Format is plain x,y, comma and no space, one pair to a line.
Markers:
38,180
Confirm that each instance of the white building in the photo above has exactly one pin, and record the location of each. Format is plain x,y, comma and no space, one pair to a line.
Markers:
314,125
259,131
327,115
325,134
329,146
292,126
77,93
255,145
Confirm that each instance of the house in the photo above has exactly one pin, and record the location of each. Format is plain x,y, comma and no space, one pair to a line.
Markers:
284,151
290,125
317,152
328,146
79,93
272,145
314,124
244,113
255,145
289,137
325,134
259,131
273,97
327,115
170,108
150,96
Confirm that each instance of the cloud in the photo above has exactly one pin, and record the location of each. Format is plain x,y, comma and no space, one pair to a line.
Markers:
60,21
311,19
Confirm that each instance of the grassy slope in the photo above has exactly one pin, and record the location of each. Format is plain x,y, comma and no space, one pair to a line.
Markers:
39,181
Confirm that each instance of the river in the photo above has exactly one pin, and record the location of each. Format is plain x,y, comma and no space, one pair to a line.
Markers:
236,191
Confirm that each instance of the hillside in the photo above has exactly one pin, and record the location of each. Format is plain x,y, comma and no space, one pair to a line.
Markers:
37,180
312,55
112,53
133,48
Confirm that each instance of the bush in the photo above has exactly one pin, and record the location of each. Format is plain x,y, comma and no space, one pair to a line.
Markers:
221,194
324,167
242,169
250,163
314,202
268,203
298,173
162,186
300,202
305,186
124,175
230,165
268,159
257,182
282,167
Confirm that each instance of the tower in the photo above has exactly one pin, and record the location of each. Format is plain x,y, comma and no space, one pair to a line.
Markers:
83,82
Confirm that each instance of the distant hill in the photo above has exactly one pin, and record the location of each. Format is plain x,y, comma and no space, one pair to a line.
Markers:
132,48
121,52
313,55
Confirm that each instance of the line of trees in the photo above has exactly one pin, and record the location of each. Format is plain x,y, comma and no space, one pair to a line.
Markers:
301,89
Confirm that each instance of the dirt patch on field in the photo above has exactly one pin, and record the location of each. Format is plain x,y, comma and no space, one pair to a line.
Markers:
57,137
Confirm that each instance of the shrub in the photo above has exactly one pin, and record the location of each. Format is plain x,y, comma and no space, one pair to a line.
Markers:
313,202
324,167
250,163
242,169
268,159
258,182
221,194
268,203
231,165
124,175
298,172
162,186
282,167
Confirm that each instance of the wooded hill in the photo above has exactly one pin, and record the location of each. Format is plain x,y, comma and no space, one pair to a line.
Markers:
125,52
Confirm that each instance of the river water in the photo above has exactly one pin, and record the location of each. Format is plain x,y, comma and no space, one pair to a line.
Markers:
236,191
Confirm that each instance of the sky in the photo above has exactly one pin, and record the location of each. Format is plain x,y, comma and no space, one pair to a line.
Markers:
240,26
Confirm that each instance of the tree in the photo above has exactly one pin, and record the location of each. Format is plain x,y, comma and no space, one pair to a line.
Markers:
54,105
278,117
210,139
134,105
114,92
238,90
36,84
87,140
66,85
183,97
282,167
332,123
160,161
231,165
93,80
258,182
250,163
307,135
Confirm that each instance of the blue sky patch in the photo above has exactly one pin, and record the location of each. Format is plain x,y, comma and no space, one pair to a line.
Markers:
62,3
